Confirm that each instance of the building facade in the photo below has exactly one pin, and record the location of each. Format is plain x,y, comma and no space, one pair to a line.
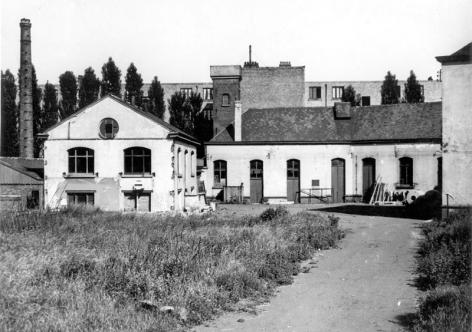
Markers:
113,156
457,125
327,154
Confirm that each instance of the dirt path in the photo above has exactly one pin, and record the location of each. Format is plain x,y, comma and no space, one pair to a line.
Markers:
363,286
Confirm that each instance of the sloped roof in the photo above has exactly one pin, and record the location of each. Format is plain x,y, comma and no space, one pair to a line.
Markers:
462,55
319,125
34,168
174,130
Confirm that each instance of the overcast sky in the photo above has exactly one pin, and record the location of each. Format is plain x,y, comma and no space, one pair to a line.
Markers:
179,40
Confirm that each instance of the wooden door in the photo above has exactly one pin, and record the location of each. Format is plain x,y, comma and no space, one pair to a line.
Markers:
256,186
293,180
440,173
144,202
130,202
368,178
337,180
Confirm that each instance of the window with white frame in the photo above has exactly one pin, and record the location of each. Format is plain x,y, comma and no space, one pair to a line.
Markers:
337,92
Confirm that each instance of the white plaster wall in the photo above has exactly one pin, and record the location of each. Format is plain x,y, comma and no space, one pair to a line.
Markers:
457,132
315,163
134,130
387,164
87,123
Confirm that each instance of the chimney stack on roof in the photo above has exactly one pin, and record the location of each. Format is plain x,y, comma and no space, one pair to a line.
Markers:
26,91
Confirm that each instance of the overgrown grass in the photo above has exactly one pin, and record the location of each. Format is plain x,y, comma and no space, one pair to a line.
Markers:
444,268
90,270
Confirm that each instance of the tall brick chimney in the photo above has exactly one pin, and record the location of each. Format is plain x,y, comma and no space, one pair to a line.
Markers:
26,91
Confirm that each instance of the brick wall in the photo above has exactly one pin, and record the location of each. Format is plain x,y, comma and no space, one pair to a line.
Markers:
224,115
272,87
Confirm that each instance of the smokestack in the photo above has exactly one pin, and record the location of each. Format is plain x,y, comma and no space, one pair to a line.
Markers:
26,91
250,53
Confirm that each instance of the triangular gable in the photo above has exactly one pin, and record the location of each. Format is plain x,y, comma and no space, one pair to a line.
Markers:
85,123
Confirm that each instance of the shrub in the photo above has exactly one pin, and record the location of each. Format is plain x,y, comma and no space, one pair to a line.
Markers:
446,308
444,256
271,213
77,265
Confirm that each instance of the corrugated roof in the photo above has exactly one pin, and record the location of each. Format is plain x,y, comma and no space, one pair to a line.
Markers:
318,124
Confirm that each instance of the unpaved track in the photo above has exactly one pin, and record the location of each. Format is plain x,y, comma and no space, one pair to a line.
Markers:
362,286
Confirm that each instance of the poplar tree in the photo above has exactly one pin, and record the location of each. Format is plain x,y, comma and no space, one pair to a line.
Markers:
184,111
9,115
389,90
37,95
50,109
413,93
68,87
133,85
89,88
156,98
111,79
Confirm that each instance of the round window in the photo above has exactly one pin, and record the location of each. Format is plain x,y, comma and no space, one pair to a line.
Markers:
108,128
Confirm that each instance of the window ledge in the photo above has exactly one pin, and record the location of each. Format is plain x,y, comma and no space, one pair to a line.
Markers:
141,175
79,175
314,98
217,187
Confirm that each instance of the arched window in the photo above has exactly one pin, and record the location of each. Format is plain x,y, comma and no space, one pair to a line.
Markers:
219,171
81,160
293,169
225,99
406,171
137,160
256,169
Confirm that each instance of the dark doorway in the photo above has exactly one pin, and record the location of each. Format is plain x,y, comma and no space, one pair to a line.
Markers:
337,180
368,178
256,175
440,173
365,100
293,180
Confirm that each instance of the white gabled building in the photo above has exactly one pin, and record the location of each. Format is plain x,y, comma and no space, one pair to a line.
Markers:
119,158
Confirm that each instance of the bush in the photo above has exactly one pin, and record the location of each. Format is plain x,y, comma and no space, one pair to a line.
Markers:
446,308
271,213
444,256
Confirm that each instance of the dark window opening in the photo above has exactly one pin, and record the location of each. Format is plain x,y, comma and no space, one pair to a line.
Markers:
108,128
219,171
32,200
81,198
137,160
81,161
315,92
406,171
293,169
256,169
365,100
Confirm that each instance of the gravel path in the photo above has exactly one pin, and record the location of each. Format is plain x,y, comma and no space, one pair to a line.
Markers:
365,285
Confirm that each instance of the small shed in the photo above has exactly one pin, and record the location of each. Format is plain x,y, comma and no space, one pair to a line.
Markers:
21,183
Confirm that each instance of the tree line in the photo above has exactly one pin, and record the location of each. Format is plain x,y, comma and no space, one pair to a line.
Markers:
390,91
78,92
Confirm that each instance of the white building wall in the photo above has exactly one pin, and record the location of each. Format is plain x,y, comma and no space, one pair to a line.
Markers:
109,181
457,132
315,163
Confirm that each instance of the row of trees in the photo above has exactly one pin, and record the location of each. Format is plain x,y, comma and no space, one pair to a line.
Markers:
390,92
48,110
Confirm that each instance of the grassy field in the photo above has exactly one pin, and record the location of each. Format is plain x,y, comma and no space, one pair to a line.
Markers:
90,270
444,270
